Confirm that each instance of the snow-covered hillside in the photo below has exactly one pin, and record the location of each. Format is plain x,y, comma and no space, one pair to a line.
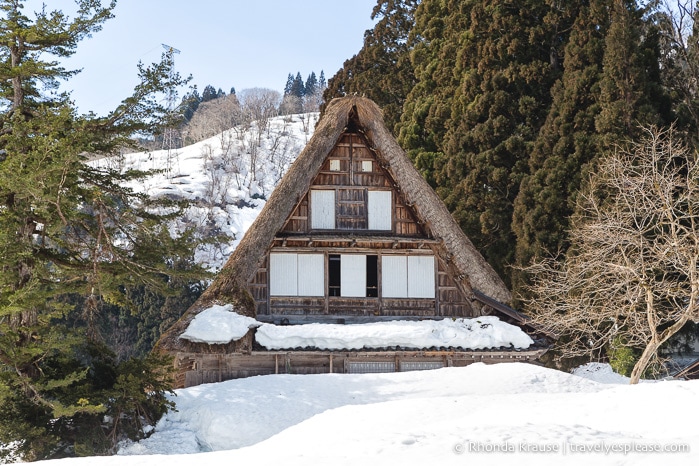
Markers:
227,177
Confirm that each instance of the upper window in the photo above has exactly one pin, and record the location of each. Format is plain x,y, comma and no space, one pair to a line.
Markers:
376,211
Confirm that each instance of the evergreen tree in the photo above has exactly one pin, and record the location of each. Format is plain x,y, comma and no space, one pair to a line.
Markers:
610,86
68,228
189,105
680,63
322,83
298,87
381,70
289,84
209,93
427,108
311,85
630,79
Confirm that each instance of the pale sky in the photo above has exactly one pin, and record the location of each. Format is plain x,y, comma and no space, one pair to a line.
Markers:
225,43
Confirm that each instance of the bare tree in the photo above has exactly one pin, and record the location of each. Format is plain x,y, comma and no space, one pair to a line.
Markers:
631,271
290,105
260,105
214,117
313,101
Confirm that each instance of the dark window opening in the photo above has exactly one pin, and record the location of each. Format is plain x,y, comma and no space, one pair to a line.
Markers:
334,275
372,276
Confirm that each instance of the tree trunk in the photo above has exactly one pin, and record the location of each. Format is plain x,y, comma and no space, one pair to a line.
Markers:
643,361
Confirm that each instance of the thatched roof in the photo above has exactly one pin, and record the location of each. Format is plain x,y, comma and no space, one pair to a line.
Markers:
230,285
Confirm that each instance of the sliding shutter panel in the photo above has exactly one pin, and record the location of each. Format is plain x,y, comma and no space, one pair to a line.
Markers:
283,276
394,277
352,275
311,275
420,276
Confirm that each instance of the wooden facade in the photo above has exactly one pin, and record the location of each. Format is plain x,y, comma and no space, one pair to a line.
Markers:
351,177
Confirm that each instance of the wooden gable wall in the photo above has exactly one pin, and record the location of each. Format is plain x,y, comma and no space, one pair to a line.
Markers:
350,174
351,184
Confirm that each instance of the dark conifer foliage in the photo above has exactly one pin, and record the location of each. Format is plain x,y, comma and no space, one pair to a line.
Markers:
485,70
298,88
679,30
209,93
610,86
629,88
567,141
190,104
289,84
311,85
511,103
427,109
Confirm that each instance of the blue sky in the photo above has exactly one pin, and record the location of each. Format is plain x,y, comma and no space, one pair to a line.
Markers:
225,43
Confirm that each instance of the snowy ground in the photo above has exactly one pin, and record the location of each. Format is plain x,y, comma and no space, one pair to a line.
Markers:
499,414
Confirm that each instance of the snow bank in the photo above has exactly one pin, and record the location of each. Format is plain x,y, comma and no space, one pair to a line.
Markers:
450,416
218,325
600,372
481,333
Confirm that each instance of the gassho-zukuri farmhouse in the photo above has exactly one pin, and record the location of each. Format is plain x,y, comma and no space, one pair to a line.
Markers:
354,265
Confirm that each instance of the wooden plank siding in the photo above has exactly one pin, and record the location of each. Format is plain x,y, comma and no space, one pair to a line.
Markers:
355,175
197,368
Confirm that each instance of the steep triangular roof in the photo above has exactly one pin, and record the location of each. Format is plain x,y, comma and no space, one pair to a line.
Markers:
362,114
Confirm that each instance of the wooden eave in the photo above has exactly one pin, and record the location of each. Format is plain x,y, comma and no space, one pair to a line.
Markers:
512,313
690,371
353,239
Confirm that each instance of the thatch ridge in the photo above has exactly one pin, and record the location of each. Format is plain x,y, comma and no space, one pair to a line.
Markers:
230,285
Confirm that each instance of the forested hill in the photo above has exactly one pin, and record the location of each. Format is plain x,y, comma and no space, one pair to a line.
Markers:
506,107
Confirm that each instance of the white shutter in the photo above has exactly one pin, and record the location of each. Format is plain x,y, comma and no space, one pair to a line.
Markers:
380,211
420,276
283,274
311,275
322,209
352,275
394,276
